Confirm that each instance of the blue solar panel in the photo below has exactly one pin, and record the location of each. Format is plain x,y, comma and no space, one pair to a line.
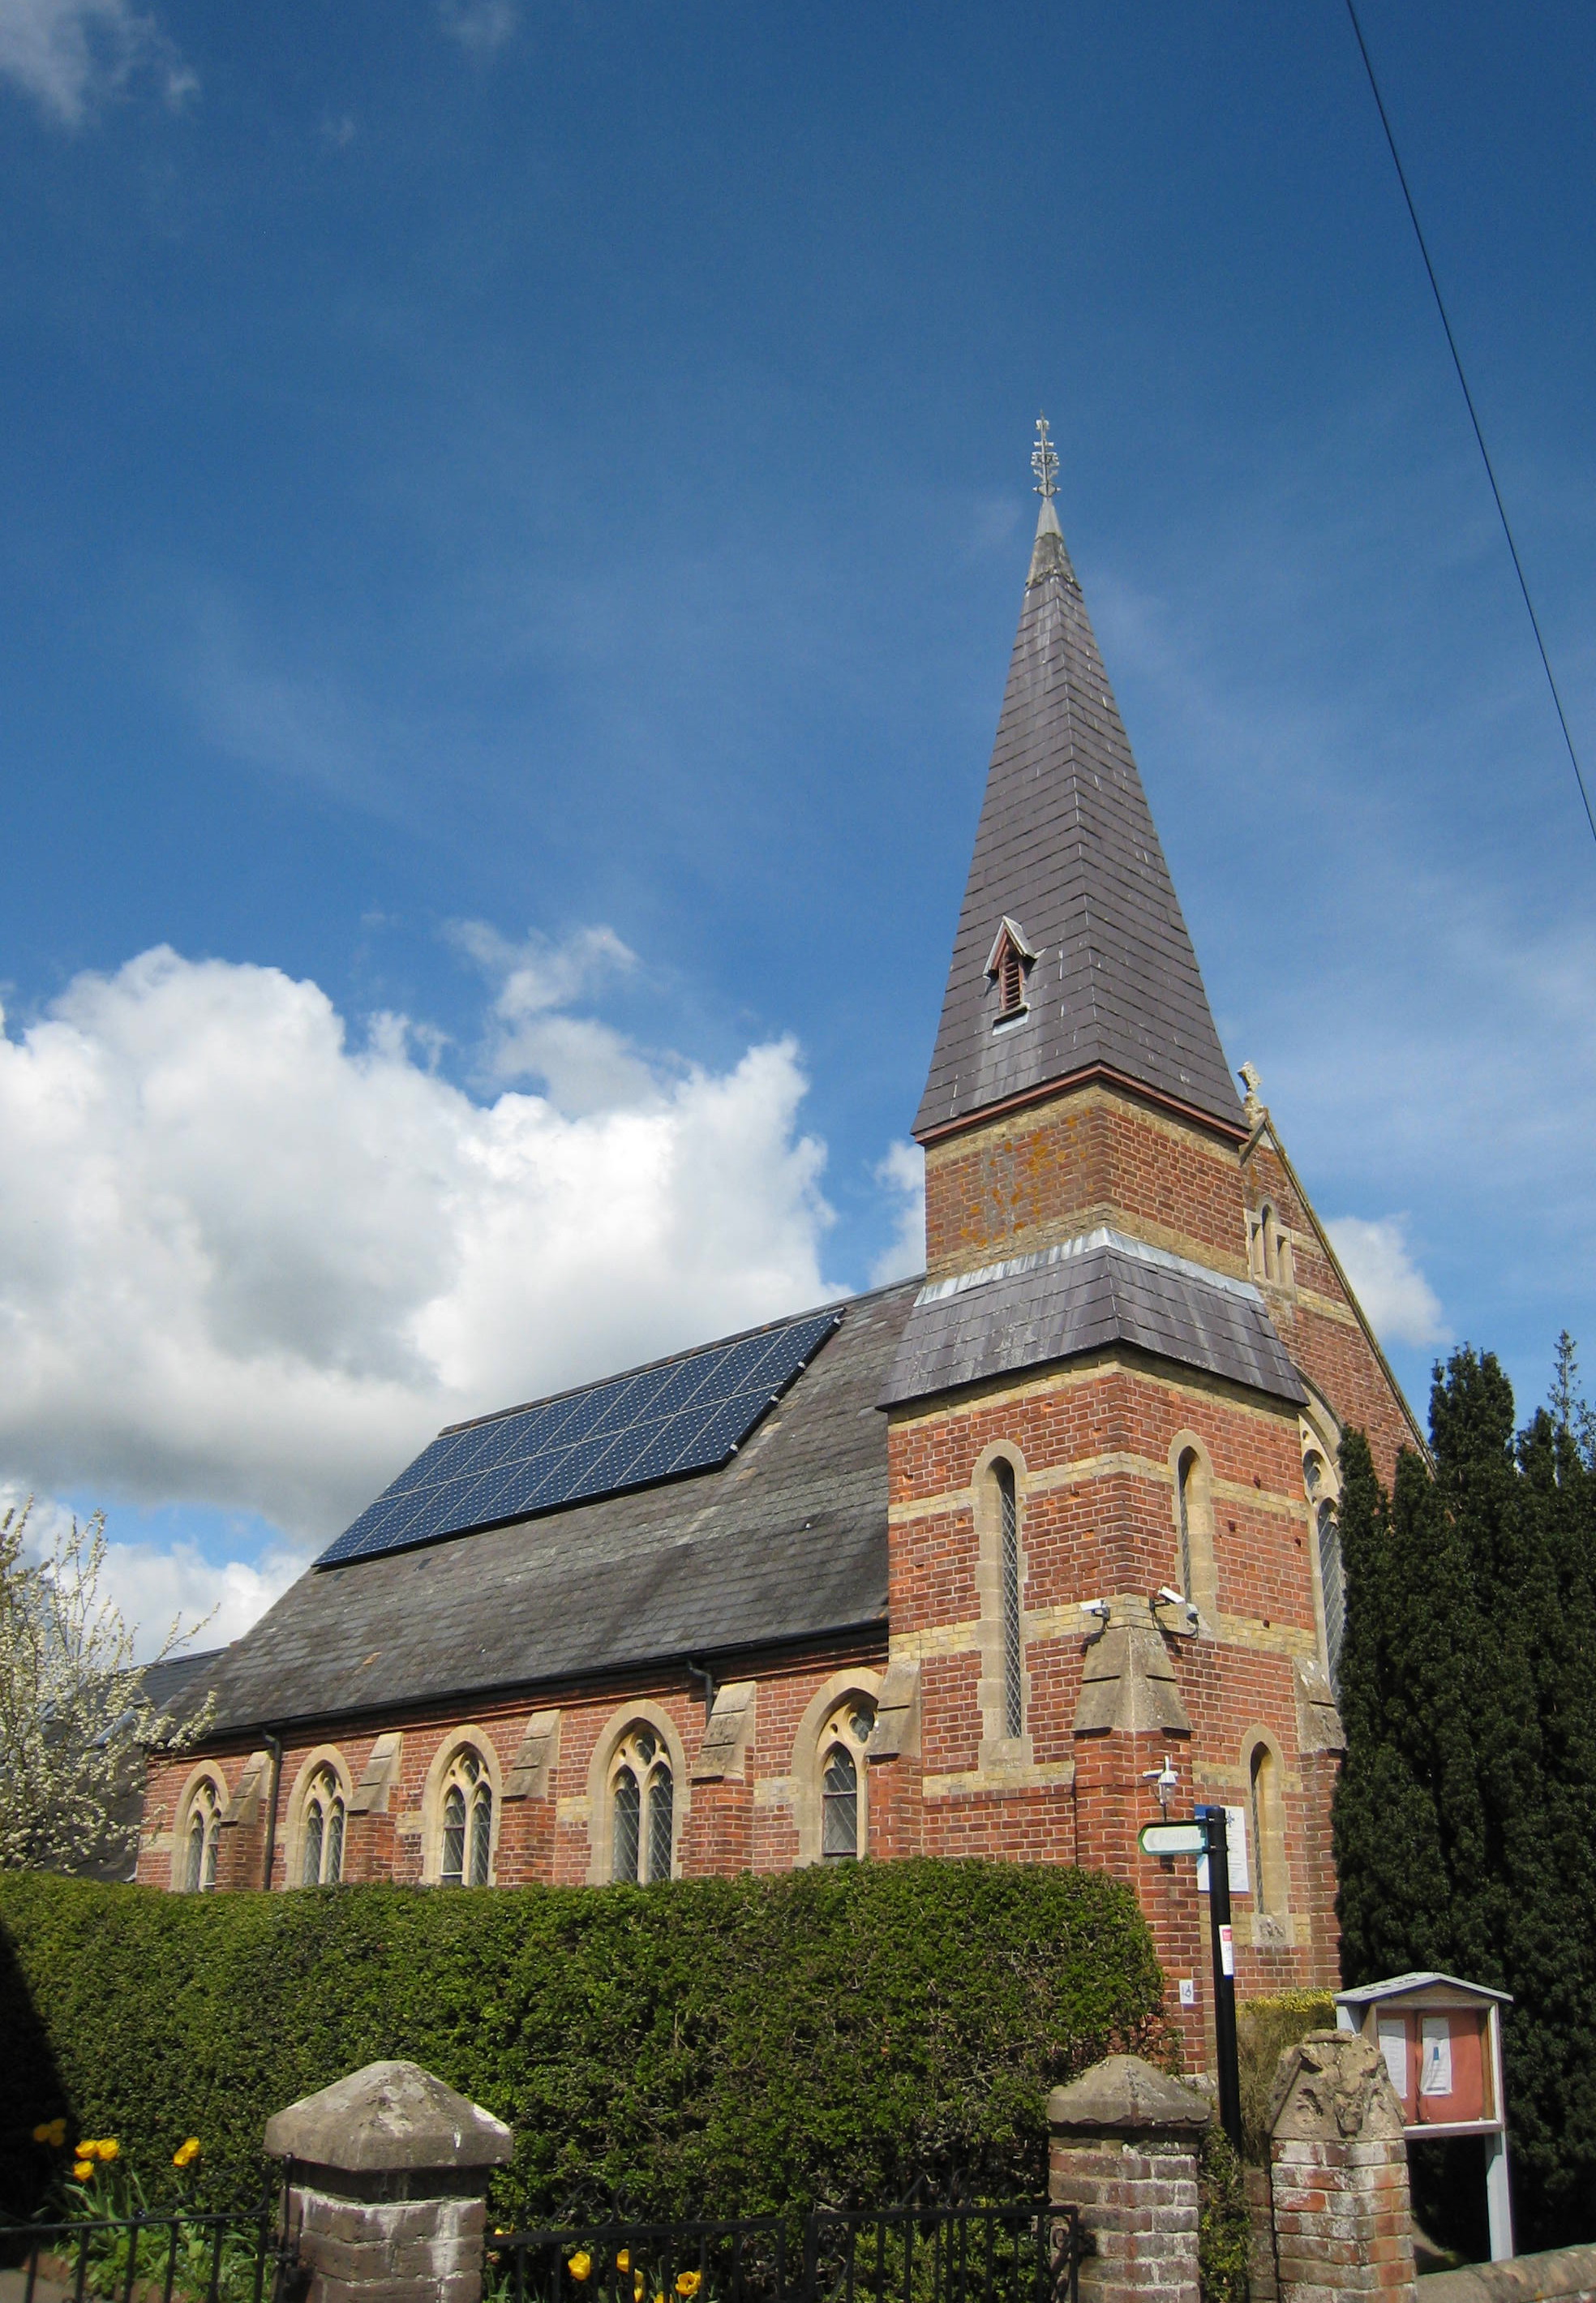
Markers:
686,1414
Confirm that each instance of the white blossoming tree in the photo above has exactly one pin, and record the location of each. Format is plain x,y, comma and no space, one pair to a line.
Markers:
74,1717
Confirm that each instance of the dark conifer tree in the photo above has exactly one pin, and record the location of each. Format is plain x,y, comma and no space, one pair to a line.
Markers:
1466,1819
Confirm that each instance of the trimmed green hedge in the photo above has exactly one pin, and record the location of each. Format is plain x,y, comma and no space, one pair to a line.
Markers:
715,2045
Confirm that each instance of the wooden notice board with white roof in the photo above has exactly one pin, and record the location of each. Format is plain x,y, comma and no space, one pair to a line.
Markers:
1441,2039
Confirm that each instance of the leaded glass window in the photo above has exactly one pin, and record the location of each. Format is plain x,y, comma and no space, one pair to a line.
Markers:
453,1868
202,1838
642,1809
1188,1464
843,1742
839,1804
321,1846
467,1846
627,1827
1013,1686
1333,1581
310,1872
662,1816
482,1833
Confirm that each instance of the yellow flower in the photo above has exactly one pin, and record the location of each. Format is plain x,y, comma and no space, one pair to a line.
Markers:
82,2170
109,2149
688,2283
88,2150
580,2264
185,2153
639,2288
623,2261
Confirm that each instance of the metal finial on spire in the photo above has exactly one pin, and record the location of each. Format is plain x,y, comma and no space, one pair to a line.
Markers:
1044,462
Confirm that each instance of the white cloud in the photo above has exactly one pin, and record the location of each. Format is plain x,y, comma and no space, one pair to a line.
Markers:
481,26
214,1603
249,1262
903,1171
1401,1304
70,55
584,1065
175,1590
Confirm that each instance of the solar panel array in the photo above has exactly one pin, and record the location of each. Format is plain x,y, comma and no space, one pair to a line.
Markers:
686,1414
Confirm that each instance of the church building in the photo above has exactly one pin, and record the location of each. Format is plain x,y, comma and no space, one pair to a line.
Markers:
959,1567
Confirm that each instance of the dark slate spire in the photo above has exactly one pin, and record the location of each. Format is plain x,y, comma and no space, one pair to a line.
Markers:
1066,852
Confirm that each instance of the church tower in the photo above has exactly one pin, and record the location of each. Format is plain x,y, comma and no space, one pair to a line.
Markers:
1112,1419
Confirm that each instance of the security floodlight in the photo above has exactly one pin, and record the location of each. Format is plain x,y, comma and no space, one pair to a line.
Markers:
1164,1781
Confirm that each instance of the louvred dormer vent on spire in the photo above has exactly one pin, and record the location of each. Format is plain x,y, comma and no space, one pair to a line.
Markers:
1008,964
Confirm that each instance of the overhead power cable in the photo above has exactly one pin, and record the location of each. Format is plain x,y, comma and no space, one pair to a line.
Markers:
1473,414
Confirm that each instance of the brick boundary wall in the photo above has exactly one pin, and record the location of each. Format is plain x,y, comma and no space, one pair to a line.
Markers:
1343,2217
1122,2148
387,2187
1567,2272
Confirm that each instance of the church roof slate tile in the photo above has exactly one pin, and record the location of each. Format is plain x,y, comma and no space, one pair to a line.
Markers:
1067,848
1086,1297
785,1542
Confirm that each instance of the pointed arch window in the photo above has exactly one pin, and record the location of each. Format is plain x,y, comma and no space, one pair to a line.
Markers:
1008,1563
467,1836
1268,1830
321,1844
1320,1485
201,1837
642,1810
843,1740
1184,1477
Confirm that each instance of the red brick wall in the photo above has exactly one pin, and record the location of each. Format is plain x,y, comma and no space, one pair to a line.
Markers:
1318,1324
722,1826
1093,1155
1094,1442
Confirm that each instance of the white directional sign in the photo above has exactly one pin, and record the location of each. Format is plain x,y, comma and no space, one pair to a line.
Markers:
1173,1838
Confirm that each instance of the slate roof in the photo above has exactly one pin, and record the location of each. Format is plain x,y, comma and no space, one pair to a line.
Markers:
179,1686
1066,847
1102,1288
786,1541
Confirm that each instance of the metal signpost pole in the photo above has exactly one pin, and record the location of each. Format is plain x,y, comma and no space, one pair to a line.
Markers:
1224,1971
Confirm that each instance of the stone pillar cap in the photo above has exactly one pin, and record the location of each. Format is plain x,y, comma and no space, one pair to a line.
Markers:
1126,2091
389,2116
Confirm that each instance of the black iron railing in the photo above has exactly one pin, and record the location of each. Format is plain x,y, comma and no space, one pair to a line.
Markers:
1017,2253
1021,2252
626,2262
185,2256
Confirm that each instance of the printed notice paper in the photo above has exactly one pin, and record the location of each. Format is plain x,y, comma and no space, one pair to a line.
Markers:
1393,2047
1236,1848
1435,2055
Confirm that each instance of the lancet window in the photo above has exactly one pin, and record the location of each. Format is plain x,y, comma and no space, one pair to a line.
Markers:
1320,1483
842,1749
1008,1523
201,1837
642,1809
321,1831
466,1848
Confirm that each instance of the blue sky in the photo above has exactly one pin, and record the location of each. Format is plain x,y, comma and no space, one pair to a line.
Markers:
513,523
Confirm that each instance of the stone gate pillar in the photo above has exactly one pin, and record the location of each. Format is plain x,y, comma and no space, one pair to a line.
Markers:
387,2185
1343,2221
1123,2145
